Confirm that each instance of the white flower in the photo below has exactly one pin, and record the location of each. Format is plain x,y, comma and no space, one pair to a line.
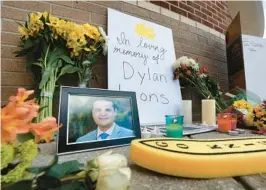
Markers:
105,37
194,64
202,75
180,61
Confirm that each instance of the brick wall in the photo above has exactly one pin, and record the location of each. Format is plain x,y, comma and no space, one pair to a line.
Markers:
214,14
191,38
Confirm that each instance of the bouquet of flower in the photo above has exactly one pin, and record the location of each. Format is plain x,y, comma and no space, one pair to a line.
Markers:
249,115
189,73
18,149
258,117
242,109
58,47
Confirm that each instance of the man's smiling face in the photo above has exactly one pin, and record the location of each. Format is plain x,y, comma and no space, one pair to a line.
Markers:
104,113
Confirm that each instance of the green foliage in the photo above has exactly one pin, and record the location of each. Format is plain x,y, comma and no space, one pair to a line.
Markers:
77,185
25,137
37,170
24,184
7,155
64,169
48,182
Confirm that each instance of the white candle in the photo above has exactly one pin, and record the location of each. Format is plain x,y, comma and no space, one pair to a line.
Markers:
186,111
208,112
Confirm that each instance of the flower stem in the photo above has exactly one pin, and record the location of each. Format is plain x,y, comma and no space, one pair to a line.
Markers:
70,178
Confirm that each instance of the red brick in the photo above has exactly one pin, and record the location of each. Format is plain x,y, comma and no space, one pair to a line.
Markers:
12,13
220,5
194,17
102,83
222,26
161,4
70,13
200,3
10,38
100,70
205,11
186,7
213,21
16,79
173,2
214,6
193,4
29,5
98,19
225,3
90,7
211,9
200,14
6,92
9,52
10,25
13,65
221,16
207,23
219,29
217,18
178,10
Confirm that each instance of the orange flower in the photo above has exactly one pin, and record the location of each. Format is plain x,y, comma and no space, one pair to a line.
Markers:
17,114
22,95
45,129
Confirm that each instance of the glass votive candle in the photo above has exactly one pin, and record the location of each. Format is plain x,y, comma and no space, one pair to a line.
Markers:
174,126
226,122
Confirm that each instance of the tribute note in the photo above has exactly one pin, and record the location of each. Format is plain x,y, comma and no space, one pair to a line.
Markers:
140,57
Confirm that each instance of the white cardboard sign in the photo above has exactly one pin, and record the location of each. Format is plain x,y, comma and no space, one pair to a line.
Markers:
140,58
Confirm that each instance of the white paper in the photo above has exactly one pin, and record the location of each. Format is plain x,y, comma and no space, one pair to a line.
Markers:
137,62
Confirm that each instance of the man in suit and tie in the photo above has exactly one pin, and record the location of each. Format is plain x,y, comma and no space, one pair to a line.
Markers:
104,113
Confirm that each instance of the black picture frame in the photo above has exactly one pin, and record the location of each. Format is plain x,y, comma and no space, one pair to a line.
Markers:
64,146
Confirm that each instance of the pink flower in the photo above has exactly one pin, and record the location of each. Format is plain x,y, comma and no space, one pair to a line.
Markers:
188,72
204,69
184,66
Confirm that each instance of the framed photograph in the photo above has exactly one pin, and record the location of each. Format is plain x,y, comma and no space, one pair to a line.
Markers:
96,119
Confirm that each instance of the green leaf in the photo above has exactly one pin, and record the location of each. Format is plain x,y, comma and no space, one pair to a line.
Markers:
25,185
48,182
60,63
77,185
38,170
45,77
64,169
24,137
53,57
38,64
67,59
68,69
29,43
22,53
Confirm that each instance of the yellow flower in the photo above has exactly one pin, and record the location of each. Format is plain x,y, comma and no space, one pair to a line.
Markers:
23,31
249,107
93,48
249,119
87,49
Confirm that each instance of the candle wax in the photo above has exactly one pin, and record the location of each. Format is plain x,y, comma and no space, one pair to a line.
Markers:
174,130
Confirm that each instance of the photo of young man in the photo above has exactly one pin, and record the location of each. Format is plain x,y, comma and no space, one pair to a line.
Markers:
104,113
